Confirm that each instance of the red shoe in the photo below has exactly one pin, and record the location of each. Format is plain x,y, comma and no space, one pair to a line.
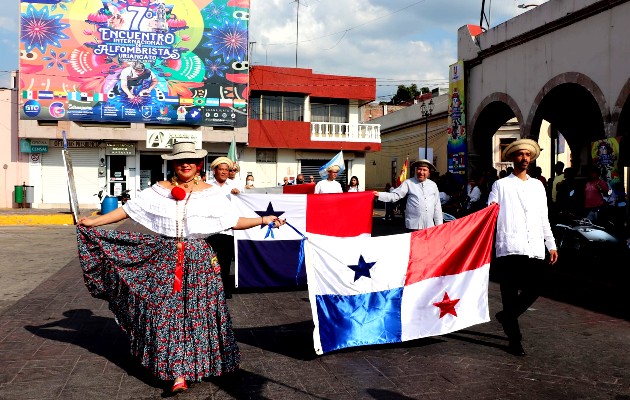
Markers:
179,387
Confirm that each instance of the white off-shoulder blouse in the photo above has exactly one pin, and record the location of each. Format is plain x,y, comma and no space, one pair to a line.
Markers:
207,212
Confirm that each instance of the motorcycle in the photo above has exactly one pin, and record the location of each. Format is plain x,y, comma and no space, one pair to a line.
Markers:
586,247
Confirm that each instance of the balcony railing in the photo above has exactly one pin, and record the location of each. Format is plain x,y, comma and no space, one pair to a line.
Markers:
345,132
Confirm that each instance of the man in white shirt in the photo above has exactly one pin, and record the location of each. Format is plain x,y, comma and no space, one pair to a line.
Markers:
329,185
424,208
223,242
523,231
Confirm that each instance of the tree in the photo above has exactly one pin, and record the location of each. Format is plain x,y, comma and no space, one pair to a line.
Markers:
407,93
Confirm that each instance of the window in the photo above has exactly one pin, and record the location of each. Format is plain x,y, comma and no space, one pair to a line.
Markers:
266,155
276,107
330,110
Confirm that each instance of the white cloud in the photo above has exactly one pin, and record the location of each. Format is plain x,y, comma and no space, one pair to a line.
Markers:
394,42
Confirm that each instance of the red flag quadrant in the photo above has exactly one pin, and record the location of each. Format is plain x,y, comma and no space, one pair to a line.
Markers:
388,289
271,259
304,188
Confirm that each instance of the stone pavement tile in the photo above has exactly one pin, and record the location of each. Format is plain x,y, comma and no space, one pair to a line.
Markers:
37,390
85,379
91,393
68,363
48,374
143,392
7,374
51,349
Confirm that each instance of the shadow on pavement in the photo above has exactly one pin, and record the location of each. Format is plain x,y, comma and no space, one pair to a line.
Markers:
98,335
290,340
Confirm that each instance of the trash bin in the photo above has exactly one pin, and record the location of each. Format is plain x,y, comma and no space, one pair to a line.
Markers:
29,194
19,194
110,203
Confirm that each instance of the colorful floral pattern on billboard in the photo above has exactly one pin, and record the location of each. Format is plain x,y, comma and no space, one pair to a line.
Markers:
153,61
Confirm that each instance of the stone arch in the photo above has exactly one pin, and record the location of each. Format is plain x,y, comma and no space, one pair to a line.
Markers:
491,113
575,105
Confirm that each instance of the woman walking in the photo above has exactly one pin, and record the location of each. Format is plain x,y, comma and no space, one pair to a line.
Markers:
165,290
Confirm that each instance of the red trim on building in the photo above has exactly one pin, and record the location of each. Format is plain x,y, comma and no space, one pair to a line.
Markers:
296,135
304,81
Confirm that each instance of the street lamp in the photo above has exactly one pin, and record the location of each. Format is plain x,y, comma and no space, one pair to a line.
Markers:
426,111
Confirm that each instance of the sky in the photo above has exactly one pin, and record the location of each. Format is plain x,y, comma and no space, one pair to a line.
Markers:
398,42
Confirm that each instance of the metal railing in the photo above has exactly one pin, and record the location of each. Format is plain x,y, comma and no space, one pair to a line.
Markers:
345,132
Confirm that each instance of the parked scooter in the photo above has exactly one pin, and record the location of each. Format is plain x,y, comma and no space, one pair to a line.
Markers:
585,246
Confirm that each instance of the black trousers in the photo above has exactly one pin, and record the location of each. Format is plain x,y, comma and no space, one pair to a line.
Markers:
223,245
520,282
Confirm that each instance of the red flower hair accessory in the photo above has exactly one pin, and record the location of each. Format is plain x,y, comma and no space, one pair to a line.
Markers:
178,193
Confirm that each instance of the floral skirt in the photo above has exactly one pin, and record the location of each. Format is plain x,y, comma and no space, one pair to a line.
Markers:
174,333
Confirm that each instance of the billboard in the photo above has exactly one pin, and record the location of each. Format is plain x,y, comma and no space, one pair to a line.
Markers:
153,61
456,146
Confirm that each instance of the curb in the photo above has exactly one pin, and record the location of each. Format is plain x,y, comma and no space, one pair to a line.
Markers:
39,219
54,219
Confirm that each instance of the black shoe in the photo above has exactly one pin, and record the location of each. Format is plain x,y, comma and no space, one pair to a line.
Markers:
515,348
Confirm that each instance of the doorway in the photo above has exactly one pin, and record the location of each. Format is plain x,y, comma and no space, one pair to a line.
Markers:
151,170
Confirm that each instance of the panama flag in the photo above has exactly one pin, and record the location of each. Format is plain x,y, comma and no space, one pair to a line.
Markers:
336,160
389,289
266,258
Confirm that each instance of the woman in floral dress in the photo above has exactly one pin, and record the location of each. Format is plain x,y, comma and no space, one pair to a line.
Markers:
165,290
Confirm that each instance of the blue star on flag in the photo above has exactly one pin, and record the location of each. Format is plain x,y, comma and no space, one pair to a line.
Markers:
269,211
362,269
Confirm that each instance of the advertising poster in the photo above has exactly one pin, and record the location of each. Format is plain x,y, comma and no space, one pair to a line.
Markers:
150,61
456,146
605,155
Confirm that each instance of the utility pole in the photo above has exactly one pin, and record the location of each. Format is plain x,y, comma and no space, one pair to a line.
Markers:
251,52
297,30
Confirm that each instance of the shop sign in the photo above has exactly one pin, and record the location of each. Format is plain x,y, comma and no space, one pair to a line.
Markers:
33,146
76,143
120,149
164,138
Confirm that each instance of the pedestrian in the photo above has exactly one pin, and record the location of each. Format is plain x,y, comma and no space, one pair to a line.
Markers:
389,207
249,182
329,185
165,289
311,179
522,233
354,185
473,196
235,181
286,181
552,189
594,192
223,242
559,170
423,198
299,179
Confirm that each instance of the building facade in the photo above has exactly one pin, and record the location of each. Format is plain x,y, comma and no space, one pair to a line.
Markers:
403,136
298,121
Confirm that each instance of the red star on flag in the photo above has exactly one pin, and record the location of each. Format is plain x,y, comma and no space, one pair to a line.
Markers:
447,306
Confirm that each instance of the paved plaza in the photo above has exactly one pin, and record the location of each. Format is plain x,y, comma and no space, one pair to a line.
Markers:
57,342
